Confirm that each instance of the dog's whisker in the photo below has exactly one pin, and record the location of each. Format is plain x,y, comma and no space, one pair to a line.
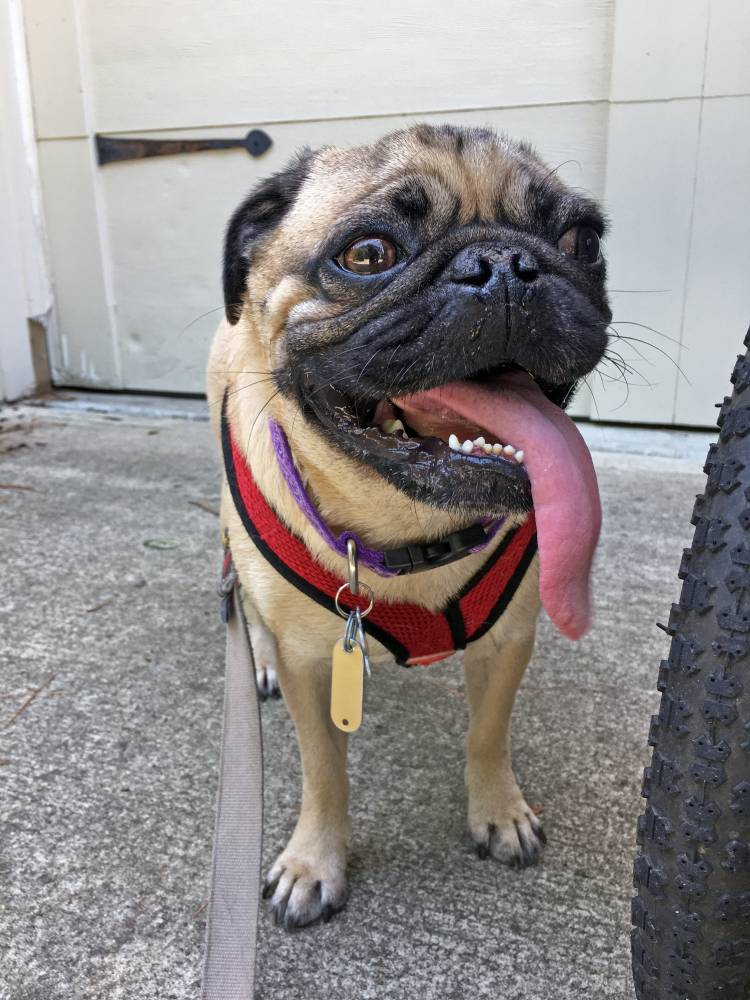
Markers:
216,309
639,291
364,368
625,369
655,347
593,397
197,319
219,402
643,326
394,352
640,354
564,163
625,381
616,359
408,368
257,416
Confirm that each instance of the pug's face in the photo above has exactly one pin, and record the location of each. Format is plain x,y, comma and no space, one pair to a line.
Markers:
434,257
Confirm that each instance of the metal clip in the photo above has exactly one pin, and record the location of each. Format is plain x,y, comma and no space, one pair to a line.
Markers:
226,585
354,635
354,632
368,593
351,558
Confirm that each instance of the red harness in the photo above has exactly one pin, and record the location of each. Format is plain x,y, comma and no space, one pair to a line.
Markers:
412,633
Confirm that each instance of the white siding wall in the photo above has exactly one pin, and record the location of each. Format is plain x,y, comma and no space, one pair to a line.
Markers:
25,291
641,107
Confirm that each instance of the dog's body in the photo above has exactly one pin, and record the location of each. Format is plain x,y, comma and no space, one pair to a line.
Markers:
436,195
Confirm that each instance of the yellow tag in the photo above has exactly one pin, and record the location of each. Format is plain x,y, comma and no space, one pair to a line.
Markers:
347,687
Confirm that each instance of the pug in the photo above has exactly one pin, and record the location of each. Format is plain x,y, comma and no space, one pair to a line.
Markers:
405,324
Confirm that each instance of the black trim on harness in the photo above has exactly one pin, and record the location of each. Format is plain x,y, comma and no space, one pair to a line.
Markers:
509,590
456,624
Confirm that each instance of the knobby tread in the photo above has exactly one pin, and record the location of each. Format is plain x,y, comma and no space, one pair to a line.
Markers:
691,914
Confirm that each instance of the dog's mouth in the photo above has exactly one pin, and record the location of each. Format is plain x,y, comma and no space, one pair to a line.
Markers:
494,443
422,417
413,429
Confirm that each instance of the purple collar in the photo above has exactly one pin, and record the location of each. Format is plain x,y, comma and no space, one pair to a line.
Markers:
391,562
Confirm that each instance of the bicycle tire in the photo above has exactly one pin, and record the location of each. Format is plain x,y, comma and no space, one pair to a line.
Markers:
691,914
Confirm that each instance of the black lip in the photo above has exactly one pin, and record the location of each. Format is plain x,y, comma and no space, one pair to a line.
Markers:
425,468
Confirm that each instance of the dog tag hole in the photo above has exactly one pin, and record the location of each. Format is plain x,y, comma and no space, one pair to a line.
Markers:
344,722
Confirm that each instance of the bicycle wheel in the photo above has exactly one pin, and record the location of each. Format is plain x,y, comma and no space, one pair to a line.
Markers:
691,916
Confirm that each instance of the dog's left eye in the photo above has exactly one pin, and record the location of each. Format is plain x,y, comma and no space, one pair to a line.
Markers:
371,255
581,242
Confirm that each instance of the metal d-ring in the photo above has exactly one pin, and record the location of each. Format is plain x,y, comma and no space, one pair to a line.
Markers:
351,558
368,594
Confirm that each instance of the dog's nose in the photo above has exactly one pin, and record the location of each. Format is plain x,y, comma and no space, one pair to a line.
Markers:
483,267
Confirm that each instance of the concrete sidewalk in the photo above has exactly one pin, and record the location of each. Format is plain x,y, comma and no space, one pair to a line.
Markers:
110,695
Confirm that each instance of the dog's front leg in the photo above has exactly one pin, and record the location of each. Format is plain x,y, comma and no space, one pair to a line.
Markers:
501,823
308,879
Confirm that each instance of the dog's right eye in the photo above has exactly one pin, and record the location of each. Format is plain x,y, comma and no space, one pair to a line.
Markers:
371,255
581,242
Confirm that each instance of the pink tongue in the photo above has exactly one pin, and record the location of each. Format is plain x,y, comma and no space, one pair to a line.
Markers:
563,483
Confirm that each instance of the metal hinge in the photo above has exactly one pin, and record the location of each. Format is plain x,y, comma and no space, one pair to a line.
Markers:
110,149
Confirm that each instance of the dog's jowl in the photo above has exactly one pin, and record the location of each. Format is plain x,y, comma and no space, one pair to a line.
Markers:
405,325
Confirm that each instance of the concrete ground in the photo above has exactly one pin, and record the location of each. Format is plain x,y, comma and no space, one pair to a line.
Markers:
110,695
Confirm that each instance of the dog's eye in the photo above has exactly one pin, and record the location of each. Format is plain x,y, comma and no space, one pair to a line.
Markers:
581,242
371,255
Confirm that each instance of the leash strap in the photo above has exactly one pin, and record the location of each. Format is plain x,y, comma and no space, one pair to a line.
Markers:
229,964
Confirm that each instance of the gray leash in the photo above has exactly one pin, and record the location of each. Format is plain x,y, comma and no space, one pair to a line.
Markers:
229,963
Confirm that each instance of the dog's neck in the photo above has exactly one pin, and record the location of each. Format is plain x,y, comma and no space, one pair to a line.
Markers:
348,496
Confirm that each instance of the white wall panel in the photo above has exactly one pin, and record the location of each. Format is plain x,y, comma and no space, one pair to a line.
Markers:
727,62
85,350
717,303
659,49
651,162
23,288
56,79
186,63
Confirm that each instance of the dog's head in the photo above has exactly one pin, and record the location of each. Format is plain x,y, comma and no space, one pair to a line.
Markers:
434,256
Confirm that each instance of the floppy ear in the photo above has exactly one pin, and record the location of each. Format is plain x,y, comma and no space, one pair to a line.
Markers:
258,214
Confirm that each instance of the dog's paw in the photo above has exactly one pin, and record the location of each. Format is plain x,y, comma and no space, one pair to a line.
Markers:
514,836
265,655
303,889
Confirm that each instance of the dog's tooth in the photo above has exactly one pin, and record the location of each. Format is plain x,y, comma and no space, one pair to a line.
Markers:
479,442
509,450
467,447
497,449
454,443
487,449
519,456
391,426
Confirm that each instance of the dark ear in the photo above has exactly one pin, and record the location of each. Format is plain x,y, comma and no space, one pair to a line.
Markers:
258,214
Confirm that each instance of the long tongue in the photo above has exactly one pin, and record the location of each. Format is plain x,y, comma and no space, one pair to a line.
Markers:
563,483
